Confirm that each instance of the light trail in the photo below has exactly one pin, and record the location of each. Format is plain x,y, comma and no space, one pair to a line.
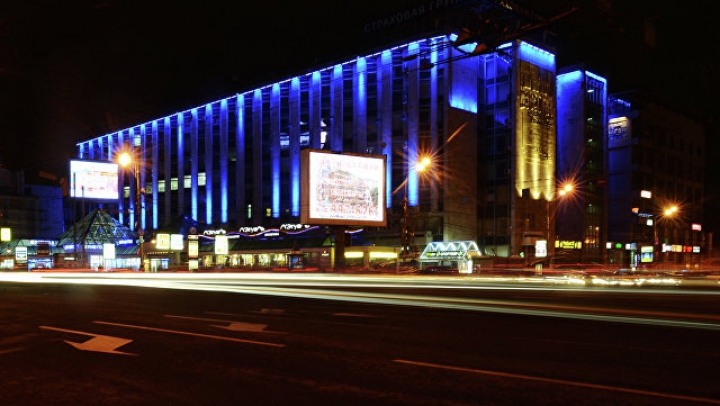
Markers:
300,286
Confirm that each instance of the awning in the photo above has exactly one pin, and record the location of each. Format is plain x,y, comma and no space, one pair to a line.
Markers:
437,251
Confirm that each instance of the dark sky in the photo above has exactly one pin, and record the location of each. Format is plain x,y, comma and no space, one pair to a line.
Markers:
73,70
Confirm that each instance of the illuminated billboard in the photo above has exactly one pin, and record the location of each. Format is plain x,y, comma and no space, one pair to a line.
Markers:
342,189
94,180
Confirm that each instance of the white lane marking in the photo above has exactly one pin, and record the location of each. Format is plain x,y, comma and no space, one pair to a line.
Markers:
186,333
560,381
232,325
98,342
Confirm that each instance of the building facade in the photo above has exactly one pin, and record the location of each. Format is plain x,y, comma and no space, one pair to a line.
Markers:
503,130
487,122
655,180
580,210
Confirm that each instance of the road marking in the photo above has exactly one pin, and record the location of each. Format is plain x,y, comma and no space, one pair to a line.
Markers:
98,342
560,381
232,325
186,333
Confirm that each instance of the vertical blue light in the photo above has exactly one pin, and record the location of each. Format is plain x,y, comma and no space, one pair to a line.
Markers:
275,148
223,161
295,159
155,171
412,144
567,85
139,142
121,198
384,83
194,164
181,163
208,163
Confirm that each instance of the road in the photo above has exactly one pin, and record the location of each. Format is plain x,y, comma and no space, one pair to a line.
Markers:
310,340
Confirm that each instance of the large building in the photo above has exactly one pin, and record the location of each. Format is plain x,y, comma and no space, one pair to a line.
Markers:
655,180
487,122
504,132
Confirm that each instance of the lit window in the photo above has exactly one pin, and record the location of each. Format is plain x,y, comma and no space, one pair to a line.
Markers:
268,212
174,184
249,211
187,182
201,179
161,186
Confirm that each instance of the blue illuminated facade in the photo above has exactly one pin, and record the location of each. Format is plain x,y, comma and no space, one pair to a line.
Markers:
581,221
487,121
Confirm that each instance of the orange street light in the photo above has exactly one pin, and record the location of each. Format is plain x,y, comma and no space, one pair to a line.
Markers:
125,160
565,189
406,238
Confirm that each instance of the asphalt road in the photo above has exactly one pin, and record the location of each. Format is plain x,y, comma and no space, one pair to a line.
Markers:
354,341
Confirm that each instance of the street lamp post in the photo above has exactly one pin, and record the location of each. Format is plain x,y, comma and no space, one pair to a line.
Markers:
665,213
668,212
406,238
561,193
125,160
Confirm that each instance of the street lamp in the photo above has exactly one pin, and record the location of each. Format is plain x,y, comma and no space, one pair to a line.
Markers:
561,192
125,160
667,212
406,237
566,189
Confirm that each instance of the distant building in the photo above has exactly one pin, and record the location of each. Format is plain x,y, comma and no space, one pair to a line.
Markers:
657,163
32,214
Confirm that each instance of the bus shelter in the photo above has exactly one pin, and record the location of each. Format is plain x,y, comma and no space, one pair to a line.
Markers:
460,256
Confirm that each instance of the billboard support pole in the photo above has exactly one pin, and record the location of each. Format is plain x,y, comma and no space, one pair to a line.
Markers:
339,247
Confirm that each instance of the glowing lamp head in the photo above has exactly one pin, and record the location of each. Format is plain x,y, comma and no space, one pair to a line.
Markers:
423,164
124,159
565,189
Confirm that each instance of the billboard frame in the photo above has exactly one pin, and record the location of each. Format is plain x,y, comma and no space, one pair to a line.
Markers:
104,183
366,171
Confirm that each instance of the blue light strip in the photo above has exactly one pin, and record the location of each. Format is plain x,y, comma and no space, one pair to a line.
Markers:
155,172
223,161
275,150
87,150
208,163
536,56
295,164
194,164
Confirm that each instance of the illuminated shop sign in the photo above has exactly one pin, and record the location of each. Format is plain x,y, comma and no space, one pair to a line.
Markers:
221,245
162,241
193,249
568,244
176,242
109,251
21,253
618,132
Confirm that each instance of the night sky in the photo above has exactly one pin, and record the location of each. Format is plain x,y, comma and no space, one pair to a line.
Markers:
74,70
